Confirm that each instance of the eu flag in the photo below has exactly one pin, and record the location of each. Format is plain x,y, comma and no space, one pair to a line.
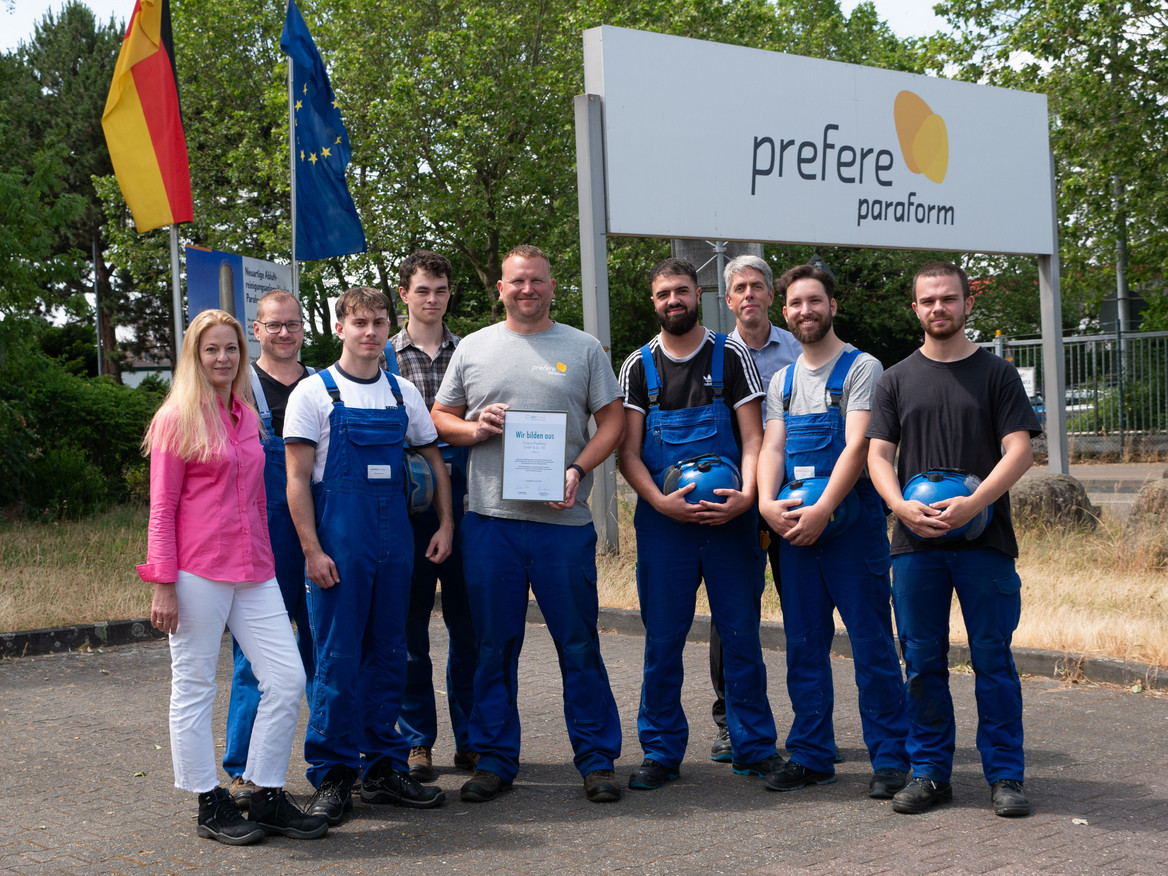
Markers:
327,223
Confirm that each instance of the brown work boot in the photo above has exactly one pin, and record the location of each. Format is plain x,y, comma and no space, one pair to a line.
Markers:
421,763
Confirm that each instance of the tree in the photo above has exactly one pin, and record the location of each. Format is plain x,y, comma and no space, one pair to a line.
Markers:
1104,67
460,117
50,127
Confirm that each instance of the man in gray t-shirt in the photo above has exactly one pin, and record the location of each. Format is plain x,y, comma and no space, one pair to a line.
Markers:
528,362
833,551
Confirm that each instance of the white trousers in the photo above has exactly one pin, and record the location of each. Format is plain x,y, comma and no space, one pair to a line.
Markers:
257,617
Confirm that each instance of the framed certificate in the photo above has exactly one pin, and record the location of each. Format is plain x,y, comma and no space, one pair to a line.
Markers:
535,448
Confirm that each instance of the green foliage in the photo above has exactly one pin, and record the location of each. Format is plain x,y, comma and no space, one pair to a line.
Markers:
320,351
73,345
155,385
63,483
66,439
1104,68
461,126
52,147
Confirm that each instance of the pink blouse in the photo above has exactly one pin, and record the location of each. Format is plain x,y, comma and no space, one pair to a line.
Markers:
210,518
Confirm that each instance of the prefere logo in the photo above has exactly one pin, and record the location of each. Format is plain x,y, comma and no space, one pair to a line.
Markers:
561,367
924,139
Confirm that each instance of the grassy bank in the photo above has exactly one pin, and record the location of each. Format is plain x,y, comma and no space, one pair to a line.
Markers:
1083,592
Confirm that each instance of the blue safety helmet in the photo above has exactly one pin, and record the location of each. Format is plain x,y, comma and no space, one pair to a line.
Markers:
933,486
810,490
709,472
419,482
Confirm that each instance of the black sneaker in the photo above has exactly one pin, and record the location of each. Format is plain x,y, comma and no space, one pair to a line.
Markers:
221,820
334,796
720,750
921,794
792,776
1009,798
601,786
483,786
274,811
650,775
762,768
384,784
885,783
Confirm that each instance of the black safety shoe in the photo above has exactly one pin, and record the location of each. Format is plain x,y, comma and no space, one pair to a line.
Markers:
384,784
466,760
483,786
1009,798
274,811
762,768
601,786
791,776
886,782
921,794
221,820
651,775
721,750
334,796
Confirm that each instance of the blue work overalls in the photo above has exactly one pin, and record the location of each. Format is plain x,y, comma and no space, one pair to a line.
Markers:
245,692
358,625
672,559
849,573
418,720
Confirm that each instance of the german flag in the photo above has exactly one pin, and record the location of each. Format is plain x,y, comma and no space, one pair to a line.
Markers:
143,122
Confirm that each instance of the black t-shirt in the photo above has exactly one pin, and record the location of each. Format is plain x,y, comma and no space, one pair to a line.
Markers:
687,383
277,394
952,415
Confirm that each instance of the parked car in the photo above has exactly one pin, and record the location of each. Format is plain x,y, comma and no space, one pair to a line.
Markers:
1080,401
1039,406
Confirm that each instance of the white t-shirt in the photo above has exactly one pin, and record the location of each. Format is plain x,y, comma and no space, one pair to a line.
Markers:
306,419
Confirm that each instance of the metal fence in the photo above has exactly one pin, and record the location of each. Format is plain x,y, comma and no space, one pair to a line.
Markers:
1116,389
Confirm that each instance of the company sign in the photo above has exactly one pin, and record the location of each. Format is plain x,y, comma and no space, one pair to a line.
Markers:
714,141
233,283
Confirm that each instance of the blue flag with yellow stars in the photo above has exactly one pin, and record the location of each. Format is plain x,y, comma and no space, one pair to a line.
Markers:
327,223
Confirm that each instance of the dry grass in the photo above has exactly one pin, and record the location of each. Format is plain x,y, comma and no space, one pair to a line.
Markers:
57,574
1083,592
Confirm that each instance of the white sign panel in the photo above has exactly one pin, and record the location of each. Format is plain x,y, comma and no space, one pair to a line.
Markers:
234,283
1027,375
714,141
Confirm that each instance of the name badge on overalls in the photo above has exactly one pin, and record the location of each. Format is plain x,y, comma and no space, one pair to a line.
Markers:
379,472
803,472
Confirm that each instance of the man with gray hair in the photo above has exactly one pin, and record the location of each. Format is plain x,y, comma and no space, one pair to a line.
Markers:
750,291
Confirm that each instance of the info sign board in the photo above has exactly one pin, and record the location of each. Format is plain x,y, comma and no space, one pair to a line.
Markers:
722,142
233,283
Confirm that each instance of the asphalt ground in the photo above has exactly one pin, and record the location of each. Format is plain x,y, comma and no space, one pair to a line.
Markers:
88,788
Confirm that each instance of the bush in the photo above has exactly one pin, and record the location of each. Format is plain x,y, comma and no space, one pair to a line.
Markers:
66,439
65,484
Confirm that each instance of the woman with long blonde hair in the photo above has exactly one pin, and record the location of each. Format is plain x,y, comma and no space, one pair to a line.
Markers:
211,564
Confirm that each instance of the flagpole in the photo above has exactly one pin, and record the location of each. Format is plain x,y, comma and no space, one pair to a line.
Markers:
176,290
295,290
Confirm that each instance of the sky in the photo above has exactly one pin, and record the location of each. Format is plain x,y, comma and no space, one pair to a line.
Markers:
905,17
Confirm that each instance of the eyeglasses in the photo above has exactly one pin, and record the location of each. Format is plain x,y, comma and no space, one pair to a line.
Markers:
294,326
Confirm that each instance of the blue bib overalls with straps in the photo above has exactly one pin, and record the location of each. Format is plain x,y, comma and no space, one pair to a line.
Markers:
245,692
673,558
851,574
359,624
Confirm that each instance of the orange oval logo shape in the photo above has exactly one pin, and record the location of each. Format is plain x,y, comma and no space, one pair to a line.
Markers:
924,139
561,367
